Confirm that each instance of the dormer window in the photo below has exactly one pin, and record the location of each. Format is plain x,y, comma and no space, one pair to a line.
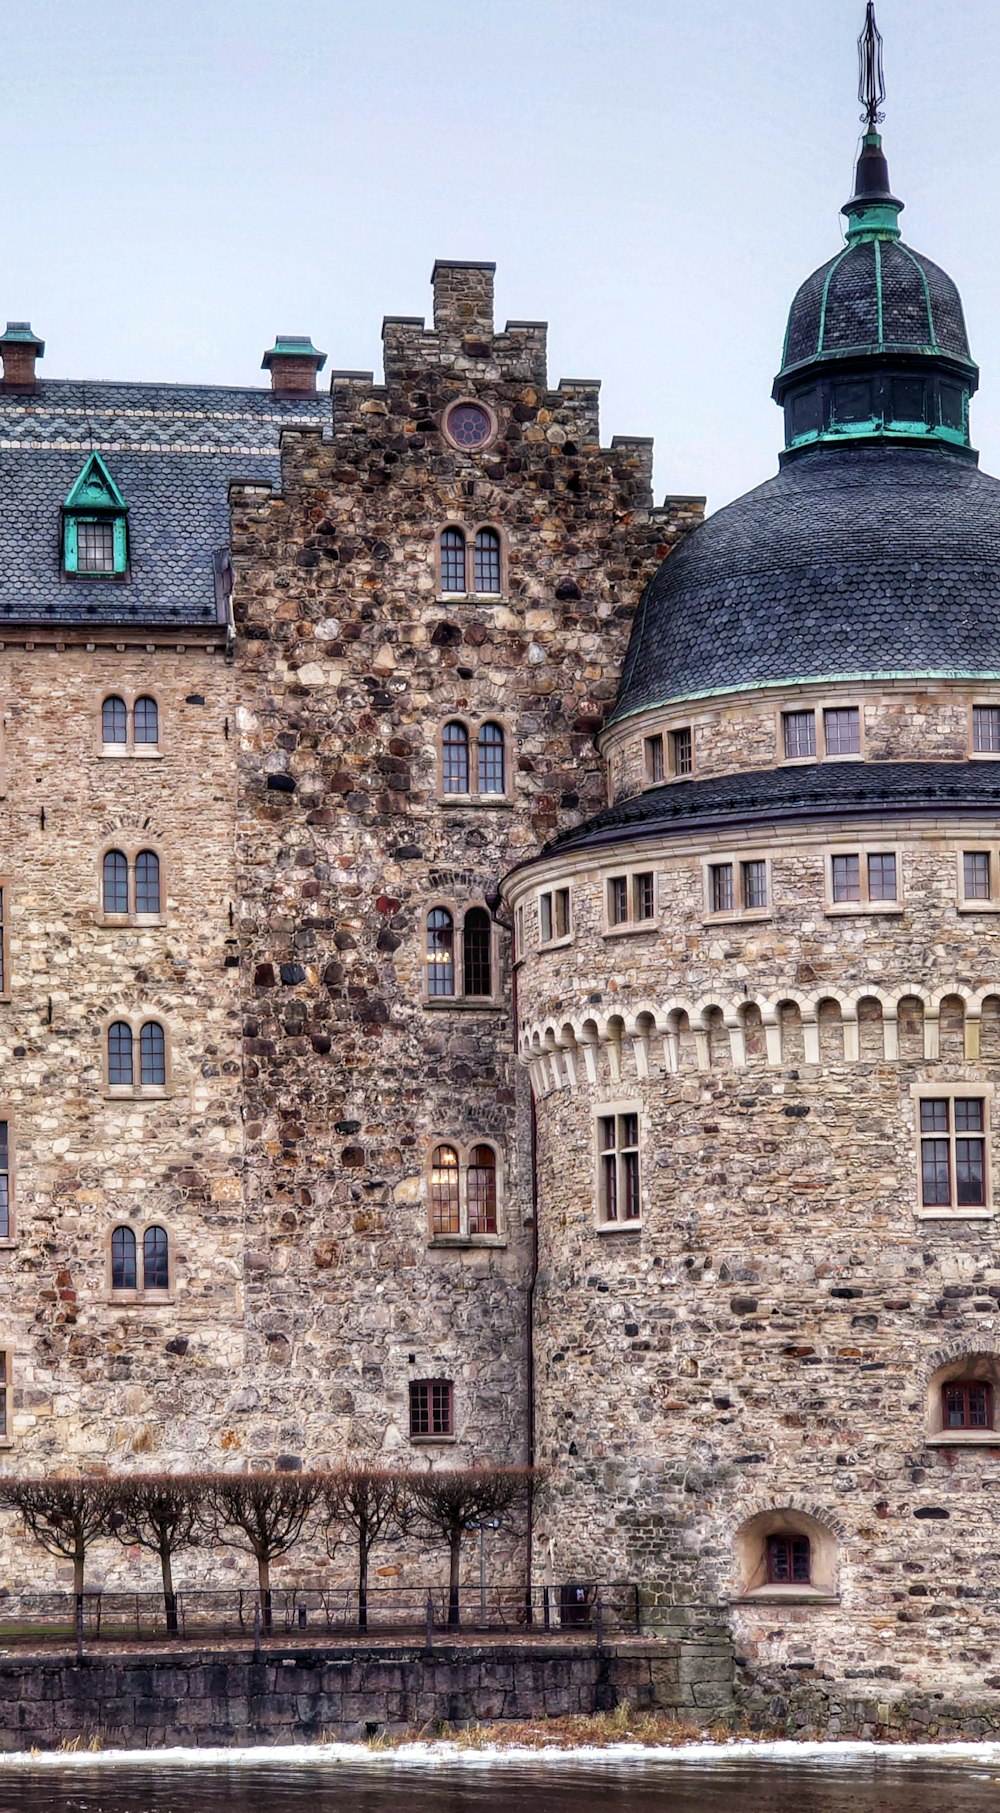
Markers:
95,542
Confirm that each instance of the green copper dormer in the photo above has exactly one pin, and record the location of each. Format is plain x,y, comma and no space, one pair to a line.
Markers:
95,525
876,347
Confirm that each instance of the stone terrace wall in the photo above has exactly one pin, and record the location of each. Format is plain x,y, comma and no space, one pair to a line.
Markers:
350,660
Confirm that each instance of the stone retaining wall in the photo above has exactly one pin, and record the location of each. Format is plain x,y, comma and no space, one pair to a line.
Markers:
781,1703
214,1697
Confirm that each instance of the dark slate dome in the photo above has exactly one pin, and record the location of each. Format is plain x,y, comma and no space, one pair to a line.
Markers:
879,561
878,295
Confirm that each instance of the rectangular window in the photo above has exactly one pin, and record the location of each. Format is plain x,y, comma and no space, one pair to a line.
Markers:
643,904
967,1404
4,1181
4,1386
788,1560
519,933
681,752
553,915
432,1407
842,730
95,547
986,729
976,875
618,900
754,885
720,887
618,1157
845,872
799,729
653,750
953,1153
882,876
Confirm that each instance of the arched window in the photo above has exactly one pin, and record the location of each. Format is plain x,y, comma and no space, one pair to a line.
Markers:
482,1190
147,882
490,777
454,758
119,1053
152,1054
788,1560
123,1260
453,561
476,942
146,720
446,1216
155,1268
440,952
114,721
115,887
487,561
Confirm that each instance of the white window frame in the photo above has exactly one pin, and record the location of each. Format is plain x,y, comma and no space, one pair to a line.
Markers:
818,714
615,1111
981,755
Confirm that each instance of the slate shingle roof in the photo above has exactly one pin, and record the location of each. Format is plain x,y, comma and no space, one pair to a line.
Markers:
853,561
173,450
876,294
827,790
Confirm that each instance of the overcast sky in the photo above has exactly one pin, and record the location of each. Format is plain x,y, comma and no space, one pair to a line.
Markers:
182,179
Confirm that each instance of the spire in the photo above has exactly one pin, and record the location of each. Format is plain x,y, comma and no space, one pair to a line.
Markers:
873,210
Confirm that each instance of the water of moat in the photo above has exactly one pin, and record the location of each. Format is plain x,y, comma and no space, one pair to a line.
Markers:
735,1785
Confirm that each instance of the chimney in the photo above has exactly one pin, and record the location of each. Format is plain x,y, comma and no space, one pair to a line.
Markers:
463,298
19,348
293,362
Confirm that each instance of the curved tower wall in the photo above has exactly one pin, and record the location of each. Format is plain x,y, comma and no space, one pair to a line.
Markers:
764,1351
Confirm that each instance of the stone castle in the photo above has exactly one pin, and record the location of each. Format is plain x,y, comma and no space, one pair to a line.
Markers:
496,969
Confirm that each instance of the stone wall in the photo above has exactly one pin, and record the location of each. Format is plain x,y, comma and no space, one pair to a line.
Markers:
350,660
129,1381
764,1351
302,1695
905,721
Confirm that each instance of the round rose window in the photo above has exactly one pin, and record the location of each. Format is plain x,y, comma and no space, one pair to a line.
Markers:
469,425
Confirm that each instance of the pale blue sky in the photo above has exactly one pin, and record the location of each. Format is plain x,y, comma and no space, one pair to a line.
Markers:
654,177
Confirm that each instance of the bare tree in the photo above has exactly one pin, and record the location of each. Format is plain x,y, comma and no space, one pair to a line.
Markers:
261,1512
66,1515
448,1502
160,1512
372,1504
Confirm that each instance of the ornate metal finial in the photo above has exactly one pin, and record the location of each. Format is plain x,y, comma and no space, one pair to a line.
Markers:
871,77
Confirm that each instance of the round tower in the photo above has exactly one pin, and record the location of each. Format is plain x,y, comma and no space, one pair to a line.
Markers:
759,997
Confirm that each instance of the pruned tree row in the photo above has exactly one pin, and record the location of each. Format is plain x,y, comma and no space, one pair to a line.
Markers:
265,1514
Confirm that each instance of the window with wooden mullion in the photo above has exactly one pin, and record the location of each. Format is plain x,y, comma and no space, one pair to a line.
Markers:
967,1404
952,1153
619,1161
788,1560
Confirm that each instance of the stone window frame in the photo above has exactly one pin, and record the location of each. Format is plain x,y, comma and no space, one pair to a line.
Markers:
520,933
982,1367
840,909
474,403
664,740
460,1001
10,1239
630,926
560,939
143,1092
473,724
118,752
973,848
601,1111
469,531
130,848
6,1396
429,1440
738,912
464,1148
4,939
818,709
981,755
151,1298
972,1090
751,1555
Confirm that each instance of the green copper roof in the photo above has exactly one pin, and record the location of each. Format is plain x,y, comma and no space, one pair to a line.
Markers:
19,334
95,489
293,346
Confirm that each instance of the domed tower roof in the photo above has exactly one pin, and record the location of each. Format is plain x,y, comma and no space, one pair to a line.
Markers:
875,552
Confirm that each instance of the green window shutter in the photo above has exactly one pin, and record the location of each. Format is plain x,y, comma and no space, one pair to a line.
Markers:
69,543
120,548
